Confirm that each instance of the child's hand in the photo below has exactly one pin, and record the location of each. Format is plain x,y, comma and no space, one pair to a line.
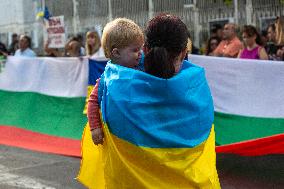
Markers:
97,135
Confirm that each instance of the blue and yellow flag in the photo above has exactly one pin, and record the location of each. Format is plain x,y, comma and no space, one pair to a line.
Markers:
96,68
43,13
158,132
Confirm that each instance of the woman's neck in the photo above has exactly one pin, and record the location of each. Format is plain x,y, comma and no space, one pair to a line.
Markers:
177,65
179,60
251,47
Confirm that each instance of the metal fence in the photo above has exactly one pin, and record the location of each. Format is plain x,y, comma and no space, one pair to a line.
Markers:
82,15
199,15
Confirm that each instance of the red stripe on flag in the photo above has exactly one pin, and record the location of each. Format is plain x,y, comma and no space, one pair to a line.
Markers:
17,137
262,146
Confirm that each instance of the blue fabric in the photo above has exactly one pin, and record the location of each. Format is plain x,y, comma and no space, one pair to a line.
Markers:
141,62
153,112
101,89
47,15
96,68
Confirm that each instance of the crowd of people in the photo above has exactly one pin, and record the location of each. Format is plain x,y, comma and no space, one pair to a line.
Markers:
269,45
21,45
124,94
223,42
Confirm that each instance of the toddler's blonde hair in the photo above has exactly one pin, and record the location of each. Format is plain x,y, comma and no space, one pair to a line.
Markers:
120,33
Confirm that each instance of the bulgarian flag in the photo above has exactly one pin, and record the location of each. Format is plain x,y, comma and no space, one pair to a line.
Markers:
41,104
42,100
248,98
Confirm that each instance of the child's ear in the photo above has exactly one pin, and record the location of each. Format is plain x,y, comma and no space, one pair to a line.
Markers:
115,53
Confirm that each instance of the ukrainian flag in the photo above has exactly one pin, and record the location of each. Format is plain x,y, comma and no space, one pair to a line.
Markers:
96,68
158,132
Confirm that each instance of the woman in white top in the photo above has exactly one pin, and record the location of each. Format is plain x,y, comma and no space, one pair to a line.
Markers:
25,47
93,45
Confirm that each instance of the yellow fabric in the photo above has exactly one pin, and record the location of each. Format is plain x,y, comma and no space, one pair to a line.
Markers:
39,14
91,171
125,165
90,88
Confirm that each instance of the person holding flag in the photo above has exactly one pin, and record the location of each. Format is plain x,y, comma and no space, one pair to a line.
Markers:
157,125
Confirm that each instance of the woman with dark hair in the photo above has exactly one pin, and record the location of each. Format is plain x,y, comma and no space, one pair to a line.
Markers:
163,58
157,125
212,44
253,44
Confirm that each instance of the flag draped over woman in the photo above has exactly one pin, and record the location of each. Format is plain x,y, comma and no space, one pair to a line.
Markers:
158,132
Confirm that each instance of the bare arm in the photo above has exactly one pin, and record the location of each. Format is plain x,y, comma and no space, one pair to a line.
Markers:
239,55
4,53
262,54
50,51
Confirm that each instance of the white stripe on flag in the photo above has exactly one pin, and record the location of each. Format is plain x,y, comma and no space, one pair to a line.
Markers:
63,77
245,87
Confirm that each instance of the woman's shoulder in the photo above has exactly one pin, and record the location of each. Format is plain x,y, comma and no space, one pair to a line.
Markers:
187,64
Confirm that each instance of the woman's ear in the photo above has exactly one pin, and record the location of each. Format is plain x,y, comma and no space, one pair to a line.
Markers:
183,53
115,53
145,49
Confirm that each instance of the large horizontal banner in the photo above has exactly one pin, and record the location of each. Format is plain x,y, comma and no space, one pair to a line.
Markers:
41,103
45,97
248,96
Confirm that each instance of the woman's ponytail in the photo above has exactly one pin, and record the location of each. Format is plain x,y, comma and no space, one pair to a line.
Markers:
158,63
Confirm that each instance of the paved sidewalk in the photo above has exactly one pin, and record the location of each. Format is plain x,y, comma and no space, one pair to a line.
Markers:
263,172
23,169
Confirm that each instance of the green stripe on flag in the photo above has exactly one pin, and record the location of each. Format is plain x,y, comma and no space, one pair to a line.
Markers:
234,128
57,116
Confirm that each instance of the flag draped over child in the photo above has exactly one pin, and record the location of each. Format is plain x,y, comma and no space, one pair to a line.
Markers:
96,68
158,133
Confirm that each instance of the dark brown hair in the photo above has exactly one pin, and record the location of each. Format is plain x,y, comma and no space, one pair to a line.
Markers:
251,31
28,39
208,47
166,37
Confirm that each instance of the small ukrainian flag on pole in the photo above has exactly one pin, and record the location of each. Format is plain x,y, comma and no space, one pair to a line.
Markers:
39,15
43,14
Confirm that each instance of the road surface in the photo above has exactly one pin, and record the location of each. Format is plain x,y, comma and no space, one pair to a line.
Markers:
24,169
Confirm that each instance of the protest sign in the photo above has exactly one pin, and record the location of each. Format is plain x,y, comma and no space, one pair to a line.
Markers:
55,32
